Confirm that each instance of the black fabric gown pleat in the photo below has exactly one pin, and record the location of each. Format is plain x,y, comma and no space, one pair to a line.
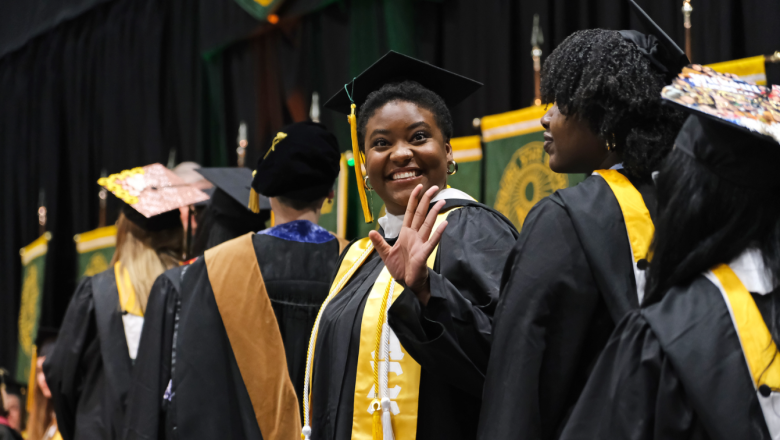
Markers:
89,370
568,281
674,370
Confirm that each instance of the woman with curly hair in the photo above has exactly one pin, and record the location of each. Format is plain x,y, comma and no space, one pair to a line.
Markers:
578,266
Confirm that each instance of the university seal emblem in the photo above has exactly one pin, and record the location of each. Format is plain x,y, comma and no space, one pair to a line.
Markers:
527,179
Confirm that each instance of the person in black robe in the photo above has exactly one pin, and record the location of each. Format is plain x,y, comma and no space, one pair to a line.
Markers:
225,217
215,340
699,359
89,370
438,339
578,266
7,432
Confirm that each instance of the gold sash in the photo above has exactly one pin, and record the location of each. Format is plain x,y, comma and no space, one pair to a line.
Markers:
254,336
757,343
404,383
638,222
128,301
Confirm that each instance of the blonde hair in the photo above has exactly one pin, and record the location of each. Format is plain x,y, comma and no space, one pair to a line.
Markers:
146,254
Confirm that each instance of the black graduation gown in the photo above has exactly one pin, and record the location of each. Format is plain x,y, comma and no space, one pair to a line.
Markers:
449,338
568,281
674,370
89,369
209,399
146,407
6,433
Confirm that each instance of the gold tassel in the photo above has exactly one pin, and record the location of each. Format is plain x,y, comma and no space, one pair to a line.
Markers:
273,219
32,383
279,137
378,425
254,198
359,161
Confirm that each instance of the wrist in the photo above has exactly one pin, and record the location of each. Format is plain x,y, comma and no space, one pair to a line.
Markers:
423,290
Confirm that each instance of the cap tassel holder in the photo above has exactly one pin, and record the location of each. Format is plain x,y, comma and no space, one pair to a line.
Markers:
254,198
359,163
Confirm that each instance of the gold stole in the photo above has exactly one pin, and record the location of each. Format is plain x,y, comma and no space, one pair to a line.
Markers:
757,343
254,336
128,301
638,222
404,376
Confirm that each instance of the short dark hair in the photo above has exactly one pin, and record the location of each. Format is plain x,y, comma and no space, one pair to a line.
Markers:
409,91
300,205
598,76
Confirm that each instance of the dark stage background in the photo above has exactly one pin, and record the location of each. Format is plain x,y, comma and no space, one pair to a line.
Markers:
92,84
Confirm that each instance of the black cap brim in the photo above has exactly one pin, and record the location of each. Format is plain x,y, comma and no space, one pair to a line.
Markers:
235,182
395,67
677,55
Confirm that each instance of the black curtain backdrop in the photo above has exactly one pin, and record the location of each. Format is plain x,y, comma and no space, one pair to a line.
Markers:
92,84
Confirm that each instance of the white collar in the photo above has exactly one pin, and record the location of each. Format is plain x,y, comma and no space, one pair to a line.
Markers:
392,224
617,166
749,268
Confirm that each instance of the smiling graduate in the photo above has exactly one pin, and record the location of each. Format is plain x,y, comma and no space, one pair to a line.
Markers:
401,344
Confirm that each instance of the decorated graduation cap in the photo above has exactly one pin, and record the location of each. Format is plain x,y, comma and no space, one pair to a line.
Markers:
394,68
152,195
302,163
656,46
228,201
734,127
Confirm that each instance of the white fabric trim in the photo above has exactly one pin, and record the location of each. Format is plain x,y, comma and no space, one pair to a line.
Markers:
617,166
133,325
392,224
749,268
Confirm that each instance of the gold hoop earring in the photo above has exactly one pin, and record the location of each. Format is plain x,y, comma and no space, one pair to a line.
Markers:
367,184
454,168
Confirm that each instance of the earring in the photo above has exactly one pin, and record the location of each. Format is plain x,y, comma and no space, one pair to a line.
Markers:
611,144
453,169
367,184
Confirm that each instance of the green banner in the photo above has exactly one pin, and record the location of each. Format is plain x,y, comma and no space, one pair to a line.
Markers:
467,153
95,249
517,168
33,270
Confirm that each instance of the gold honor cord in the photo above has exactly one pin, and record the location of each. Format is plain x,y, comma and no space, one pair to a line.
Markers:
638,222
359,163
757,344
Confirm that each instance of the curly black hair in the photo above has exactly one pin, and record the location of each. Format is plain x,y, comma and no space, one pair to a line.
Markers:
409,91
600,77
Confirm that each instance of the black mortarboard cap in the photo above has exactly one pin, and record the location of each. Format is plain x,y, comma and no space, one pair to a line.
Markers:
235,182
395,67
657,46
302,163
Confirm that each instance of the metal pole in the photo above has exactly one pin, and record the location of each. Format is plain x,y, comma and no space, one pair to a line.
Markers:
242,143
537,39
686,10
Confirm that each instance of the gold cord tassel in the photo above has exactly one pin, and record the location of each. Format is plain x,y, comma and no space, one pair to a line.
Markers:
369,216
254,198
377,425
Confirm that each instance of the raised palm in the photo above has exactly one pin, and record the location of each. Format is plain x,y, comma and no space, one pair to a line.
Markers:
407,259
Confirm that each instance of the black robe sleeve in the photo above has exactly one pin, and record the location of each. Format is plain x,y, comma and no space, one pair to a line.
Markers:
634,392
63,368
451,336
541,329
152,369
